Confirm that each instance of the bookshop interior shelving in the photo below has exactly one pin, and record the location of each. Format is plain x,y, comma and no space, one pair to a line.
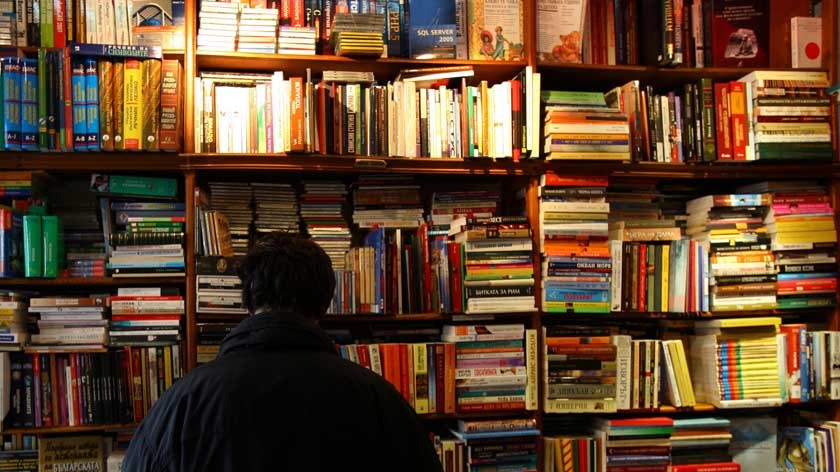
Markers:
193,168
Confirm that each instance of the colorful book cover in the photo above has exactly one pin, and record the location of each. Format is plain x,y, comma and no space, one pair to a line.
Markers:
151,104
33,248
394,27
560,30
49,226
92,103
29,104
796,451
431,29
78,94
43,87
496,30
134,185
118,90
116,50
59,453
11,239
132,105
106,104
11,102
740,33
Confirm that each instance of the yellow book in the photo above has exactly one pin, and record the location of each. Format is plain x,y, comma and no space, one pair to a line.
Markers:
167,366
531,369
774,321
805,237
132,137
683,375
421,379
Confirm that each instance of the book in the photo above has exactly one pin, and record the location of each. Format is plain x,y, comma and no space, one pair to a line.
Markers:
740,33
560,31
806,42
431,29
496,30
62,453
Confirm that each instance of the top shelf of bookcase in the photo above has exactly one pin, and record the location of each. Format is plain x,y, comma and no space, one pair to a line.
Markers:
90,161
382,68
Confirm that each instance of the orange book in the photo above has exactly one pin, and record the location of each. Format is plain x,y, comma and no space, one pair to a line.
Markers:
296,114
449,367
170,106
738,119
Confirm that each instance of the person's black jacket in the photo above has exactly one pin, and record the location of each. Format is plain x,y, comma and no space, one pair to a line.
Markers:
279,398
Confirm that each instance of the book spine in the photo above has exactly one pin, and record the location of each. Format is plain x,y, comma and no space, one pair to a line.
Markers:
118,92
151,104
29,104
132,105
92,103
106,104
738,119
170,106
46,23
11,102
59,23
79,94
50,235
33,249
722,117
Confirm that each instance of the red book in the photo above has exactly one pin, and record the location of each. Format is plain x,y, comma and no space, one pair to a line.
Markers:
710,467
286,12
137,379
724,134
492,406
170,106
740,33
74,389
550,179
516,110
738,119
423,237
638,468
297,12
59,28
403,369
642,286
449,367
642,421
455,279
440,377
363,355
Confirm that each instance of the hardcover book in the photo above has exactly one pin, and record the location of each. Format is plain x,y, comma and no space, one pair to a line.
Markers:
740,33
431,29
495,30
560,30
60,453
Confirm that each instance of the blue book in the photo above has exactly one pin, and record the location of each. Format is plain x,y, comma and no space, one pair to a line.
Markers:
393,28
796,450
11,102
145,265
804,365
11,243
92,103
554,294
29,104
496,434
431,29
78,97
116,50
376,240
805,276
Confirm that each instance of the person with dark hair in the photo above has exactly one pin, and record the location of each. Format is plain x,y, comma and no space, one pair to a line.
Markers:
278,397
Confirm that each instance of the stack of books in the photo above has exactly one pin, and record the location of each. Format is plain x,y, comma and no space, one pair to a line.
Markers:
146,317
235,201
637,442
800,223
321,211
742,265
79,322
512,447
355,284
358,34
577,264
298,40
734,362
13,308
491,366
790,114
210,336
389,201
217,26
580,365
84,246
580,125
257,30
703,440
499,265
275,208
148,238
453,207
219,288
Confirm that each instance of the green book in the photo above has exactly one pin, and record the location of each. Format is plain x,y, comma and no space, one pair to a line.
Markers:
33,246
49,226
165,187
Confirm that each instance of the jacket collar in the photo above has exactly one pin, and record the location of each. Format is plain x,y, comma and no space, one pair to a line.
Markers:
276,331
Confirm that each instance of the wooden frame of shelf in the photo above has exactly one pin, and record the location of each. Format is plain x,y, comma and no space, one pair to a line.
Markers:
69,429
73,282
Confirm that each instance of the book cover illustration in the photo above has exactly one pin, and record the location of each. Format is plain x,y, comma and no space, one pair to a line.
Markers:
495,29
431,29
753,443
740,33
797,450
560,30
62,453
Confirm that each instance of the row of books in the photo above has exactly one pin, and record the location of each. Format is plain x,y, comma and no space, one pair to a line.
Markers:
270,113
75,389
61,23
90,98
494,444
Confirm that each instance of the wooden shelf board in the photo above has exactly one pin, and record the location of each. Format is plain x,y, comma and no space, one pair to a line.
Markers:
90,161
69,429
382,68
353,164
477,414
73,282
693,316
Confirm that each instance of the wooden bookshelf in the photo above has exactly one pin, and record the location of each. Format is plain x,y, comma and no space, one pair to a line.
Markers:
556,318
70,429
90,161
422,317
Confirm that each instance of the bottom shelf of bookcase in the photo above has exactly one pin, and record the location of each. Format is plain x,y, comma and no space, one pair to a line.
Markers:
70,429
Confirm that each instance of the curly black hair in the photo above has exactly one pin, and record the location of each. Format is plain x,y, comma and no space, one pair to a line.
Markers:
285,272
